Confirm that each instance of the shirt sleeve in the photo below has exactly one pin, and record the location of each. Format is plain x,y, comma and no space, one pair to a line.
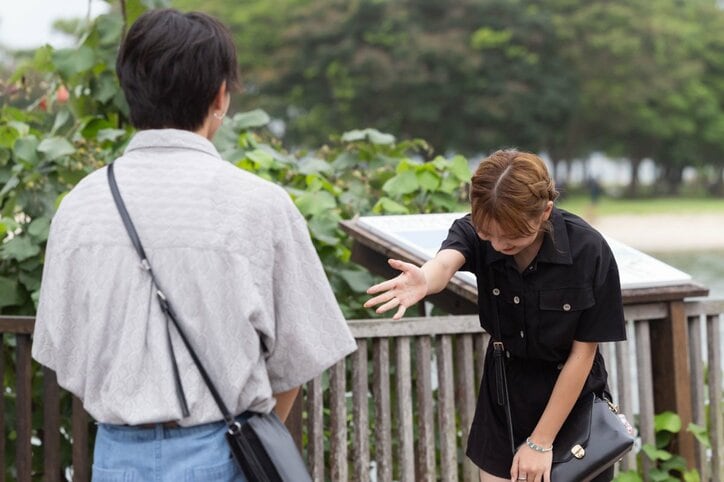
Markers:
604,321
310,331
462,238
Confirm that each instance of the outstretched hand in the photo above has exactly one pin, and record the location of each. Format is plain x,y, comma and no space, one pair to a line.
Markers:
400,292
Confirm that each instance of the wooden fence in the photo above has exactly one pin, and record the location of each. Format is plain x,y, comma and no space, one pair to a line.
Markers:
400,407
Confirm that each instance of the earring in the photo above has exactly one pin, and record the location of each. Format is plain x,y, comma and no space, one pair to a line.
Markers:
219,116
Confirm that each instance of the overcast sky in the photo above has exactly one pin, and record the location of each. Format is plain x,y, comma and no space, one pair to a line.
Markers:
27,23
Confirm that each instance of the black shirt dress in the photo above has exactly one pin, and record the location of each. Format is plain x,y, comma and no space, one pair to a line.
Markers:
570,291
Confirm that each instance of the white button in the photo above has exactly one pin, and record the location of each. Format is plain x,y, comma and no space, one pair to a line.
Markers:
530,268
522,335
496,291
516,300
566,307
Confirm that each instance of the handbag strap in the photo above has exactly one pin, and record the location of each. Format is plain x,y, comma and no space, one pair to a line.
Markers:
169,313
501,380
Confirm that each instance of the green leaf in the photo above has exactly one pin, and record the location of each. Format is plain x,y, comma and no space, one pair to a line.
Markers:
403,183
19,248
314,165
315,203
372,135
429,181
25,149
8,136
105,88
655,454
358,280
110,28
460,168
628,476
9,292
110,135
701,434
69,62
692,476
10,185
388,206
60,119
263,159
345,160
55,147
39,228
324,229
250,120
669,421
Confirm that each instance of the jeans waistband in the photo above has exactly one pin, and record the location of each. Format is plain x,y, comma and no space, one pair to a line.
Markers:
163,430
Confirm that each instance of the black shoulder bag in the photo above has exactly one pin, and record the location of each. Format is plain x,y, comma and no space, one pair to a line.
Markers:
593,437
262,447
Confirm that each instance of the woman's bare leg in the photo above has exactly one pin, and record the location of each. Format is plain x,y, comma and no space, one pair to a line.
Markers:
486,477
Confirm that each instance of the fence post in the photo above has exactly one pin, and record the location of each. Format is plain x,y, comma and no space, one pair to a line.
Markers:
670,370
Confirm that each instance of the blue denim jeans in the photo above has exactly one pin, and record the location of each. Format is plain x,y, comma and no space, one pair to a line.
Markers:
158,454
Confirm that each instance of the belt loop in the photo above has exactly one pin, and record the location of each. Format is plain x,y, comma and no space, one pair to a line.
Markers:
158,428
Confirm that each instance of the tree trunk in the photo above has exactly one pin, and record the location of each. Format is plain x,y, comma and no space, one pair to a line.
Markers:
633,187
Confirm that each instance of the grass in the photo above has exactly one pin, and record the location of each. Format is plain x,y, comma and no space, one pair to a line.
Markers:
581,205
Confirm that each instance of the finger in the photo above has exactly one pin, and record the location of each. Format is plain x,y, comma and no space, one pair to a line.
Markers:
537,478
393,303
514,469
547,475
400,312
401,265
384,286
383,298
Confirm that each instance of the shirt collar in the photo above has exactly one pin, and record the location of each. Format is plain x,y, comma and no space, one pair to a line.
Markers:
555,249
171,139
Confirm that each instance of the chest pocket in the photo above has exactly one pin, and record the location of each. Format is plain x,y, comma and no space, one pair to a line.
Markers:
560,310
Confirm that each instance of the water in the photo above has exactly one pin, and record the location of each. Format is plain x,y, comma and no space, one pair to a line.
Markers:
706,267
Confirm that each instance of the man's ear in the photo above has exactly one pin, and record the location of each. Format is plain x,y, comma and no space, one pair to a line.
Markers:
221,100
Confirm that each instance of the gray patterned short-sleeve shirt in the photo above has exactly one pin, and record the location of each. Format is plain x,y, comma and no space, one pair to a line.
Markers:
233,255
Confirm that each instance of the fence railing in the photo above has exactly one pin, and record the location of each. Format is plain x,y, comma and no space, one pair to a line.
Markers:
399,408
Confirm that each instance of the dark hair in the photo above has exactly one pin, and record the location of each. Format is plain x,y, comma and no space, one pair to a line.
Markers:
511,188
171,66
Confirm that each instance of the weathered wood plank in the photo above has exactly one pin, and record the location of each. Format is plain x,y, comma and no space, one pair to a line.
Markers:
624,383
465,395
51,427
480,343
360,415
403,381
425,450
338,422
446,410
696,381
670,369
434,325
295,422
645,387
315,429
2,408
716,395
381,395
23,454
79,431
17,324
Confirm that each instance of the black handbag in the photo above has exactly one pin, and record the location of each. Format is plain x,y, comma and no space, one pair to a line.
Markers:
262,446
593,437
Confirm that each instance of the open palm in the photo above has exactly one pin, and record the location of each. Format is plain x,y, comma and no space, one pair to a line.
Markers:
400,292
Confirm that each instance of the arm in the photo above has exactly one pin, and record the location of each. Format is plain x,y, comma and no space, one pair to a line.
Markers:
285,400
414,283
536,465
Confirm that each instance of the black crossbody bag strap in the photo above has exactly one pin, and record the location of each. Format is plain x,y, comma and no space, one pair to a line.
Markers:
501,380
167,309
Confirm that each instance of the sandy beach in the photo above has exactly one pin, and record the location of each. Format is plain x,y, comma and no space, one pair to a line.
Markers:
664,232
